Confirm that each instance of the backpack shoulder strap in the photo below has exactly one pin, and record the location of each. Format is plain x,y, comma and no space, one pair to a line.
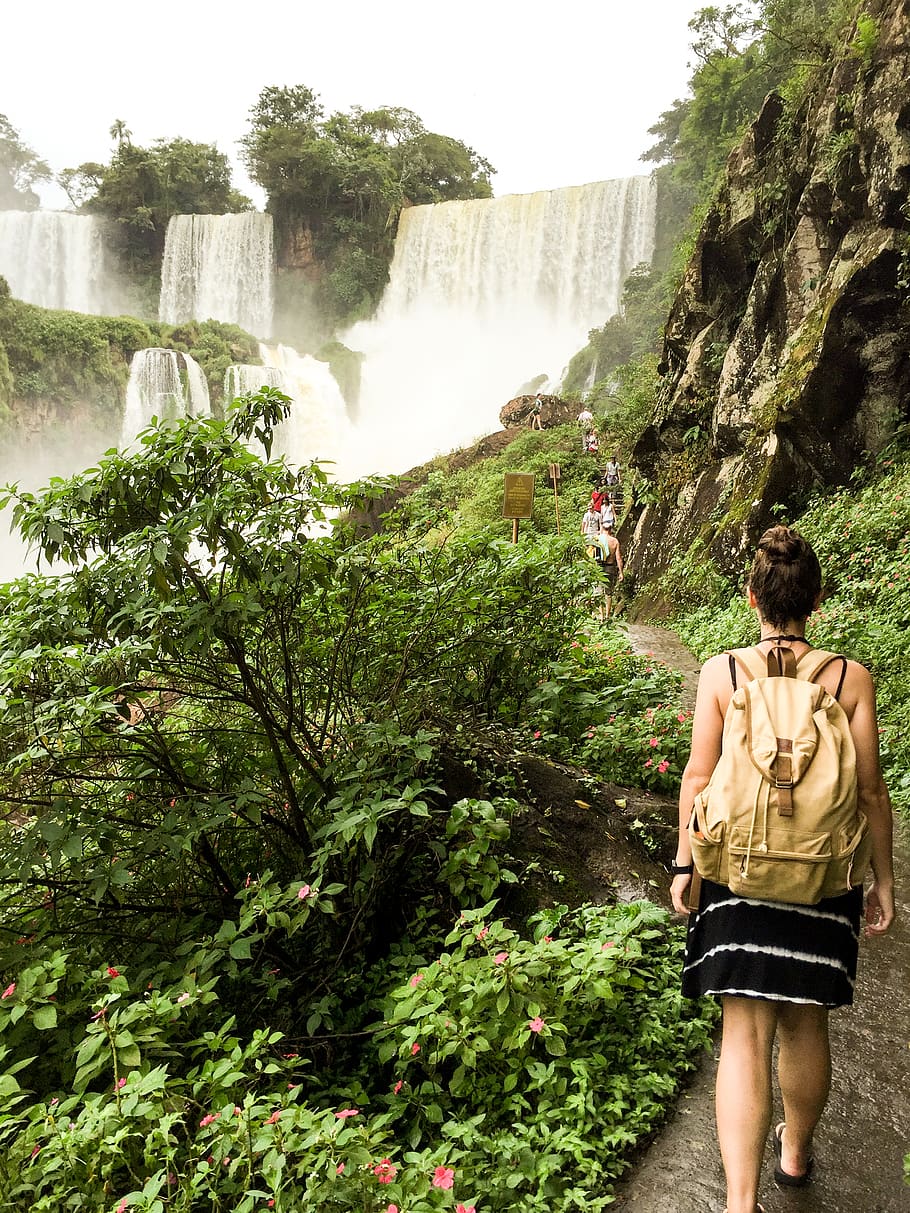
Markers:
812,662
750,661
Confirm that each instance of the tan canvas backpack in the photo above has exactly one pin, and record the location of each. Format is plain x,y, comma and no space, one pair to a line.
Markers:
778,819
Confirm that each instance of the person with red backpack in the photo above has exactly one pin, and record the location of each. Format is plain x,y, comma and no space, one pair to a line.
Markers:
782,808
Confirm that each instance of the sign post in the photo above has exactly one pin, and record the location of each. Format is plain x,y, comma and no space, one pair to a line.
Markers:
555,477
518,498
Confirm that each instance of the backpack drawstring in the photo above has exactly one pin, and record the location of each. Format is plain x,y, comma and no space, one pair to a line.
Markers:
763,845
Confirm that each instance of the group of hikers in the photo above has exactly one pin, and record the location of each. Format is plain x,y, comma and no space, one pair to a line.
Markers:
598,524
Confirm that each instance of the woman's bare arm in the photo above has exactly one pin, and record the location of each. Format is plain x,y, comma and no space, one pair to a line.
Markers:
707,731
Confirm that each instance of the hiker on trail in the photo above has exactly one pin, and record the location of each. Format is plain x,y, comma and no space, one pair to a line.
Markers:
597,500
586,420
611,472
592,442
608,512
590,524
778,964
609,557
534,415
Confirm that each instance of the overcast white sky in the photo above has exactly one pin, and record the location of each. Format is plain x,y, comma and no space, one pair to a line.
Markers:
552,94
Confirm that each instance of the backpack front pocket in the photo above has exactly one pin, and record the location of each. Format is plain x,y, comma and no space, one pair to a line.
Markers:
770,867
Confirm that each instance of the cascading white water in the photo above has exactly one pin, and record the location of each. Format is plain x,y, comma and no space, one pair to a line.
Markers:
483,295
219,267
156,389
318,426
56,259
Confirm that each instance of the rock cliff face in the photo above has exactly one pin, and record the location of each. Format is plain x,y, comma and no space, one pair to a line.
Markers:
786,359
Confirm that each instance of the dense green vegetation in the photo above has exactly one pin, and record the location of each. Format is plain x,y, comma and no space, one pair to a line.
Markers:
69,361
141,187
251,945
20,169
344,178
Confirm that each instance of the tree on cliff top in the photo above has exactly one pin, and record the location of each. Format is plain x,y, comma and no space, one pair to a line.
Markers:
20,169
347,177
142,187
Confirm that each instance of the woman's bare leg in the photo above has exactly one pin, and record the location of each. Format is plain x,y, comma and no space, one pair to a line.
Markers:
804,1073
743,1096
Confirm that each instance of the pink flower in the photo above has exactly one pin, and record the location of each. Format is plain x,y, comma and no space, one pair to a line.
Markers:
346,1112
207,1120
9,991
680,716
548,938
392,1209
415,1049
416,979
662,766
535,1024
184,997
112,972
537,734
304,891
121,1208
35,1150
649,763
397,1087
339,1170
443,1177
465,1209
500,958
273,1118
483,932
653,742
611,943
385,1171
121,1082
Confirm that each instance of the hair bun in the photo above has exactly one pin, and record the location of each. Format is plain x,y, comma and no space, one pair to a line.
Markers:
781,545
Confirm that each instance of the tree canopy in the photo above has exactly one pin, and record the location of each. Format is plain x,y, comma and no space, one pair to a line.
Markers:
141,187
20,169
347,176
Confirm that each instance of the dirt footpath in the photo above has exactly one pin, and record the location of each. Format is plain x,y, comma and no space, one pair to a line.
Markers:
865,1133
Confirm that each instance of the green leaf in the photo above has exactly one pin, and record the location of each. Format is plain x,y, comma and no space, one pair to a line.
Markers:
45,1018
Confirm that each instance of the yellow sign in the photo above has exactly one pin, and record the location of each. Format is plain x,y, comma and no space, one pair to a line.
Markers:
518,497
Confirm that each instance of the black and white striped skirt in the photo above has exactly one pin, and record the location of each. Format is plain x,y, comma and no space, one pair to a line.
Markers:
766,949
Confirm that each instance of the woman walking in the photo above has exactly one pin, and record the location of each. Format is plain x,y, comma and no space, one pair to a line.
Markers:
778,968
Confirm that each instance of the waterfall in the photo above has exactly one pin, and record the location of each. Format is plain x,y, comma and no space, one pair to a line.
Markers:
483,296
156,388
219,267
318,426
56,259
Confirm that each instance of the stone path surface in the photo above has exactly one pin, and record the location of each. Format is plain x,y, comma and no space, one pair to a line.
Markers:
865,1132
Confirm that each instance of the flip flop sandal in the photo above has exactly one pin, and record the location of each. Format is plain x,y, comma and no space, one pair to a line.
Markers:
781,1177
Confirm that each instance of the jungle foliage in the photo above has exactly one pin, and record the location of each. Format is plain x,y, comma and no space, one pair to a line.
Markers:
79,365
250,944
345,178
141,187
20,169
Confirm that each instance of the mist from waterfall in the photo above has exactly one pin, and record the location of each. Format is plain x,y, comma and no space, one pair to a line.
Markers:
58,260
318,426
483,296
219,267
156,388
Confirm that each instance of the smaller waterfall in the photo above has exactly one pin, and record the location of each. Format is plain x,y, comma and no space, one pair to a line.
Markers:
56,259
318,426
219,267
156,388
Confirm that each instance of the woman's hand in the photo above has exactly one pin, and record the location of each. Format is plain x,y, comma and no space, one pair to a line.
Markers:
879,909
678,892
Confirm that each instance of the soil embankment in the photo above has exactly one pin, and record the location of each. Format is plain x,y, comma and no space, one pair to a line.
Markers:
865,1132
